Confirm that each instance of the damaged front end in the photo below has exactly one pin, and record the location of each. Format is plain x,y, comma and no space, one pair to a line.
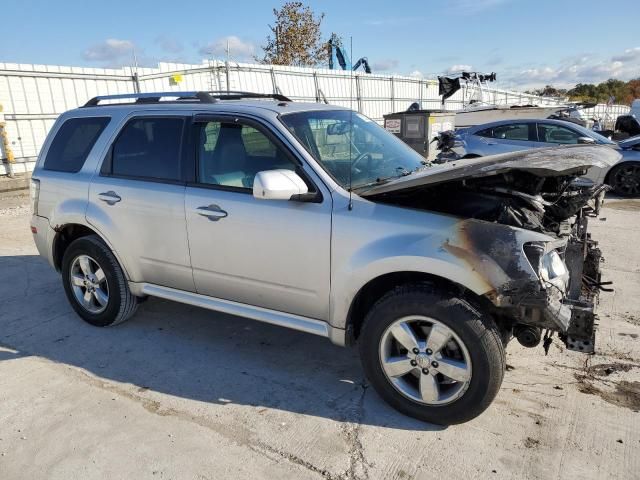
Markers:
523,230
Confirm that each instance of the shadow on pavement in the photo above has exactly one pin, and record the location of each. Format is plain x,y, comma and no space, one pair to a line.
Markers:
188,352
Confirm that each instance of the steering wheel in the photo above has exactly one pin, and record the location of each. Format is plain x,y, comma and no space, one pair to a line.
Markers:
360,158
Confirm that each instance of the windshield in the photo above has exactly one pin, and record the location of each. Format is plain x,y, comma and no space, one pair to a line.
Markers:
596,136
351,146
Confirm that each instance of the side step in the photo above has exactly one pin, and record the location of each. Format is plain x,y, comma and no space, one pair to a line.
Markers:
288,320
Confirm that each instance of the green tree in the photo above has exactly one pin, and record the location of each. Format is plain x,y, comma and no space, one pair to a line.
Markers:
614,88
295,37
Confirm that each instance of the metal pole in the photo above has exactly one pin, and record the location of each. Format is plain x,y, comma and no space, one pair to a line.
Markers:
136,82
393,96
317,87
358,94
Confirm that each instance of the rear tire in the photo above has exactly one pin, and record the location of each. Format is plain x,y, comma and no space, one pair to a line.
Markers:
472,353
95,284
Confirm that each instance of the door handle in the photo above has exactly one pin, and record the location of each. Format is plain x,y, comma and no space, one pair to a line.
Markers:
110,197
212,212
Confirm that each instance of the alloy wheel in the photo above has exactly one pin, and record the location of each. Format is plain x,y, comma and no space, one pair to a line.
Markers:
626,180
89,284
425,360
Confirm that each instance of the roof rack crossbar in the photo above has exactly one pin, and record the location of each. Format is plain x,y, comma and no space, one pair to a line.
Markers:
202,97
154,97
238,94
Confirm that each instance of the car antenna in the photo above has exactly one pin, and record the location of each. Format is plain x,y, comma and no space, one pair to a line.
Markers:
350,126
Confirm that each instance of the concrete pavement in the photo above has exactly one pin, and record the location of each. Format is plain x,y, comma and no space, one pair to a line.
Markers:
183,393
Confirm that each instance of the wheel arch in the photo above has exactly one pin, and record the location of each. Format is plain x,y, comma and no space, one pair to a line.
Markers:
65,234
375,288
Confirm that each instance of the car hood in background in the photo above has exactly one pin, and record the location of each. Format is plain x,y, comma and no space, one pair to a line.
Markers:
543,162
629,142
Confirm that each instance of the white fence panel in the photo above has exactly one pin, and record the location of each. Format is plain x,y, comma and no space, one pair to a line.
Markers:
32,96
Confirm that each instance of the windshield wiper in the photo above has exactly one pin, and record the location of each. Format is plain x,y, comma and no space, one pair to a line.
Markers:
402,172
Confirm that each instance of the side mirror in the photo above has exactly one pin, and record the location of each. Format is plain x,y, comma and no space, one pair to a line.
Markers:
278,184
586,140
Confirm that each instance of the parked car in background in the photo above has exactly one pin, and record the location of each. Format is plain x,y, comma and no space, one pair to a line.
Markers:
511,136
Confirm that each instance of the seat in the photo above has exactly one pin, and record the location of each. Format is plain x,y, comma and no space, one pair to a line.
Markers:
229,159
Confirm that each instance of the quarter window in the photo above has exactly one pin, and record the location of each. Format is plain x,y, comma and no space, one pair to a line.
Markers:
230,154
149,148
73,142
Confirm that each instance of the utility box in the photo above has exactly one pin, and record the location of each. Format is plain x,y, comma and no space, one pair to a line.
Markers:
417,128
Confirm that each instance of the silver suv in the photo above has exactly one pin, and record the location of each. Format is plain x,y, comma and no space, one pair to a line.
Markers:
313,217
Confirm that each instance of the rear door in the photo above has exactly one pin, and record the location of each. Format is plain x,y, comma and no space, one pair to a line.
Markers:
267,253
136,200
507,138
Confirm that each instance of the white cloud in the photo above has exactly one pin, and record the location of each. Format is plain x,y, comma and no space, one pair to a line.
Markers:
629,55
238,48
459,68
417,74
111,50
384,65
580,69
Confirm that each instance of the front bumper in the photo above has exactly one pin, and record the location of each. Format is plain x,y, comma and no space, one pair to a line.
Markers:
572,313
583,259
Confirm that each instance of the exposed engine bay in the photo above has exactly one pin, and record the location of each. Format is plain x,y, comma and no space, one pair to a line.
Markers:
519,199
556,288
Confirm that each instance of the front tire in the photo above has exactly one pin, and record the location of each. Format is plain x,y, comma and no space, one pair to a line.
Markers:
432,355
95,284
625,179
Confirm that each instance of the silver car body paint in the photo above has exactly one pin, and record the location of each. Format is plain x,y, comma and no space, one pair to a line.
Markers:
469,143
289,263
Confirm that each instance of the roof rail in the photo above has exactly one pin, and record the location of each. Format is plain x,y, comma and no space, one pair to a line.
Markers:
202,97
238,95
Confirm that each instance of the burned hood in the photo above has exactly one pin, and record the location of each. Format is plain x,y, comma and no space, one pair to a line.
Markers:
544,162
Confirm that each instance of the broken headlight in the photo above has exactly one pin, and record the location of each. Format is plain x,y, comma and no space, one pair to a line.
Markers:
548,265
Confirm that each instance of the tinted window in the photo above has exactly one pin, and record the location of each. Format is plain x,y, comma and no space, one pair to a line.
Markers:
557,134
519,131
231,154
73,142
486,133
149,148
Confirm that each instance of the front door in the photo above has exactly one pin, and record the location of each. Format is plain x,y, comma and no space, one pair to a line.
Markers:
273,254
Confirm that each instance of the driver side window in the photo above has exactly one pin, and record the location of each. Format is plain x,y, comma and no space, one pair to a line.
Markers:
557,134
230,154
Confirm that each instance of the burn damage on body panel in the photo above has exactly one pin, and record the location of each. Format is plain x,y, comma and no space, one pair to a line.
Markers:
524,232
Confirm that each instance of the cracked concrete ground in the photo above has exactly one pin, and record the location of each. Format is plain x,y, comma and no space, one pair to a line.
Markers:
183,393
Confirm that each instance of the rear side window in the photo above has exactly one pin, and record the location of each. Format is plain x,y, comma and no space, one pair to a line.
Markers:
73,142
149,148
516,131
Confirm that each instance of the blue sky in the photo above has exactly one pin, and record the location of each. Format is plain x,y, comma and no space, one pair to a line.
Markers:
527,42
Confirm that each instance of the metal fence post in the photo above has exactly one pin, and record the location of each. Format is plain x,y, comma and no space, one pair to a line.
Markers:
358,94
316,86
136,82
393,96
